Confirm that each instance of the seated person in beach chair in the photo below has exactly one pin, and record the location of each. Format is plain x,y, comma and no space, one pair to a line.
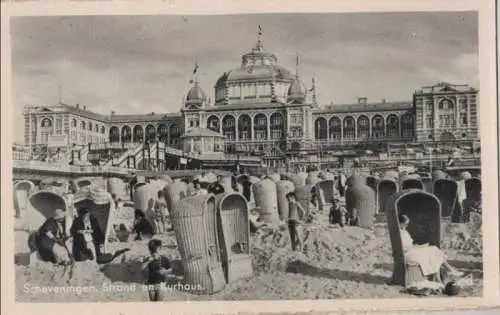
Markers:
87,236
254,220
338,214
430,258
141,225
50,240
353,219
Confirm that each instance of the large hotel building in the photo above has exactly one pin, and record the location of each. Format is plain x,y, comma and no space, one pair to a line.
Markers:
261,108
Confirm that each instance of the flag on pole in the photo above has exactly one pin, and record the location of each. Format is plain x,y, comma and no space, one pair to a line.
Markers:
195,67
313,86
260,30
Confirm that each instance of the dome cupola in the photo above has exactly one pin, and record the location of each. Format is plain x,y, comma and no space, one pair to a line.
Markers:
196,97
297,92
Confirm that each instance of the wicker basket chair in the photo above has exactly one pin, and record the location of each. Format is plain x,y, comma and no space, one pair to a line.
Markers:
304,194
423,209
387,186
22,191
473,196
194,221
362,198
326,192
446,190
266,199
234,236
116,186
372,182
175,192
312,178
283,187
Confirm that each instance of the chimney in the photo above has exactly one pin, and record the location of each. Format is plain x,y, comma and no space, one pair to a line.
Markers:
112,113
84,107
362,100
384,100
77,106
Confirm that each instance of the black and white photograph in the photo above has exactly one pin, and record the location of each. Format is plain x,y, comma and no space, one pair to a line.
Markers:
247,157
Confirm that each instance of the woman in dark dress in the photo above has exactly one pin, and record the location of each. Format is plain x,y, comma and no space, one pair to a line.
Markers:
87,236
51,239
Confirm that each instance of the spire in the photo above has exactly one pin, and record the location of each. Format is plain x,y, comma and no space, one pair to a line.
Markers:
313,90
297,65
258,45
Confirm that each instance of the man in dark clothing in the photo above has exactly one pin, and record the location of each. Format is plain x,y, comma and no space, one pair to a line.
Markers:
87,236
141,225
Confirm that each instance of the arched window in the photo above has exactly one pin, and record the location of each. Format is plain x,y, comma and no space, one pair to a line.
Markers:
378,127
335,128
392,126
162,132
82,125
260,127
229,127
46,123
407,125
349,128
213,123
73,123
150,133
446,114
363,127
114,134
126,134
244,127
276,126
138,134
320,128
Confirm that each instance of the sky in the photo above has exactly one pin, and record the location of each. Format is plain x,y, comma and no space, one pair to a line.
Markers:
143,64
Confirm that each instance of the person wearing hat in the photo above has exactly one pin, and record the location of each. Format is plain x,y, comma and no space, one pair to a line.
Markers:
338,214
87,236
51,239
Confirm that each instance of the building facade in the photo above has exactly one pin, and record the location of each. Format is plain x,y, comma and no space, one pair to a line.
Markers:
262,108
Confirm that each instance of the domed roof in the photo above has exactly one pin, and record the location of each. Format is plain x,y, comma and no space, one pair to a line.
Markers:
297,91
196,95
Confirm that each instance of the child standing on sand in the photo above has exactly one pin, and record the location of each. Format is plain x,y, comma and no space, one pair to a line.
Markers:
295,213
157,267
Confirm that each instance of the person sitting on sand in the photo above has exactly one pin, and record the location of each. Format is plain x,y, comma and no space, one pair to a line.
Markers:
141,225
87,236
430,258
157,268
160,210
51,239
295,213
254,219
338,213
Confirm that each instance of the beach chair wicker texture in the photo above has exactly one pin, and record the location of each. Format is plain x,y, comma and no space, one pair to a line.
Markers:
387,186
423,210
446,190
410,182
283,187
175,192
22,191
312,178
116,186
266,200
195,225
304,195
473,188
326,192
299,179
234,236
362,198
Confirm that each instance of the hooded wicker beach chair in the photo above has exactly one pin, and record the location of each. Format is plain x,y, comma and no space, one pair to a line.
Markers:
299,179
145,197
473,197
227,183
387,186
304,194
116,186
412,181
245,187
175,192
283,187
423,210
427,182
101,206
372,182
326,192
22,191
41,206
312,178
446,190
194,220
362,198
234,236
266,199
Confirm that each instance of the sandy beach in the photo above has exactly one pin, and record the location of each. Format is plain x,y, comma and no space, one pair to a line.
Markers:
336,263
